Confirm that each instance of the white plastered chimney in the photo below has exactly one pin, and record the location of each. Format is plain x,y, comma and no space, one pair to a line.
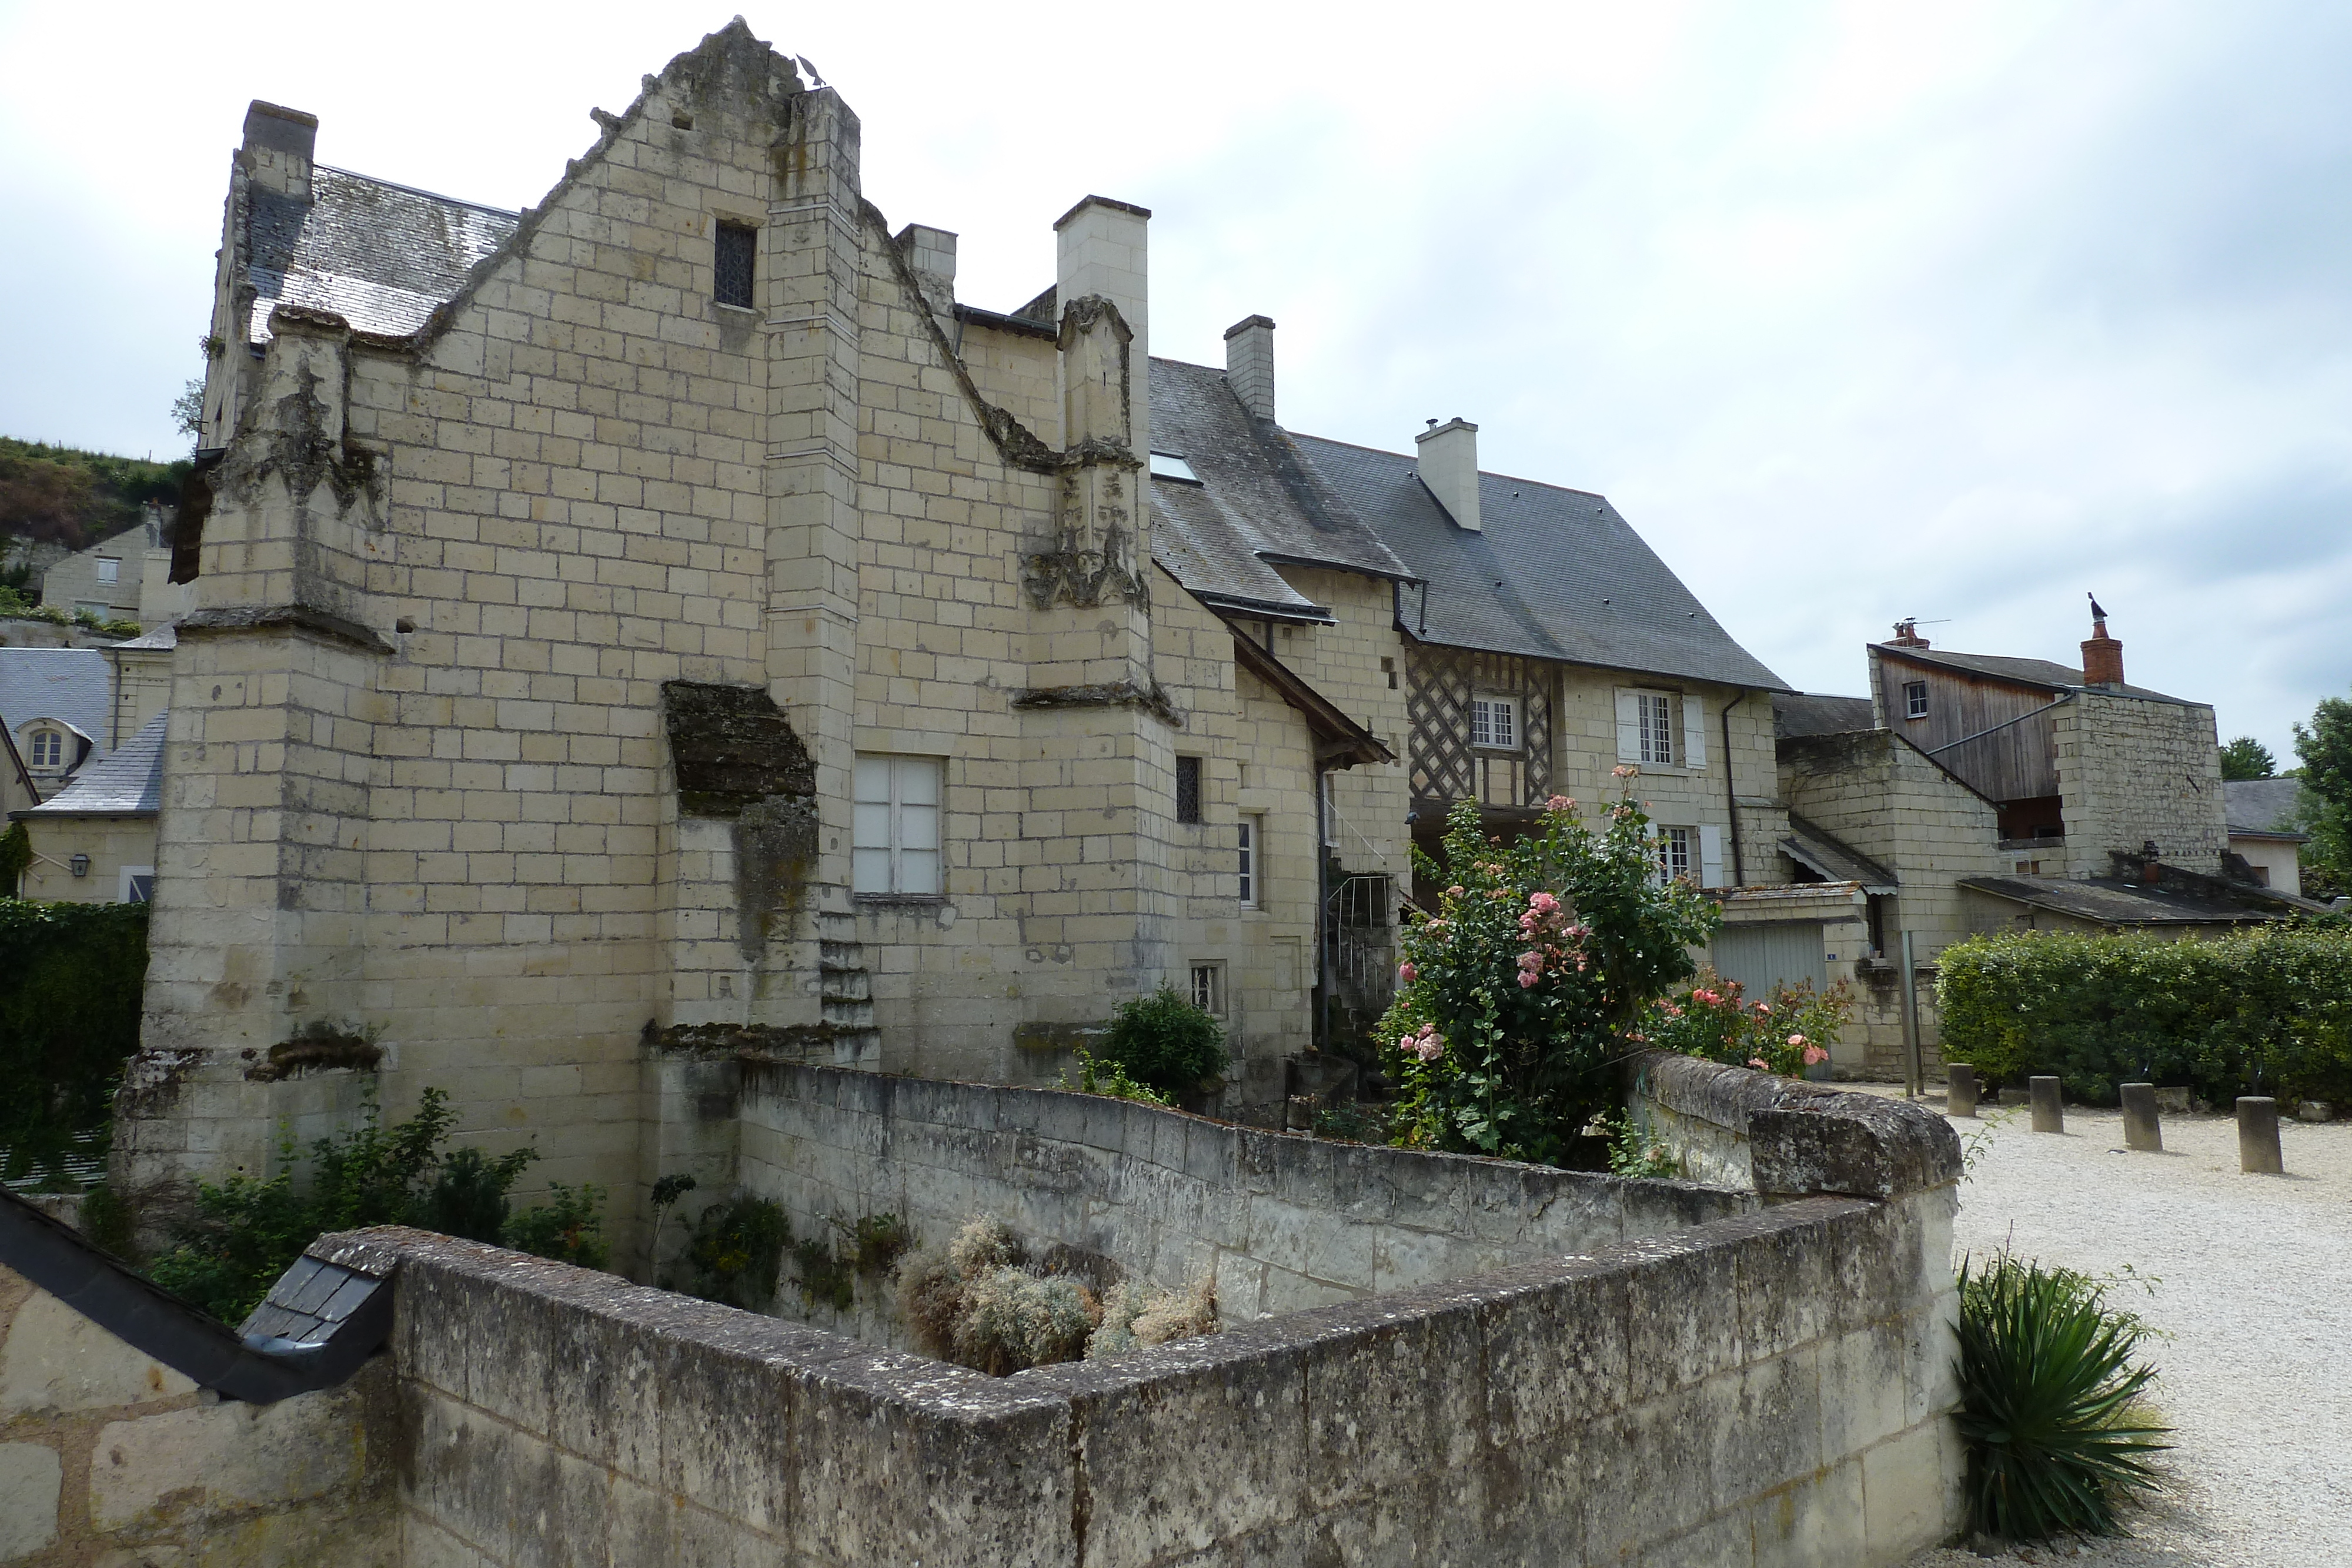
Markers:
1449,467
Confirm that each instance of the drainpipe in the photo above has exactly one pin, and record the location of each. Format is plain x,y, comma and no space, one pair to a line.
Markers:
1732,795
1320,1009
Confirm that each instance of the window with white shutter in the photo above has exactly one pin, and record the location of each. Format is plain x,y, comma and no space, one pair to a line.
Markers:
895,835
1648,722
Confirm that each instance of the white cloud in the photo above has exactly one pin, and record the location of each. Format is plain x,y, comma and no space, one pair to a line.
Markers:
1856,311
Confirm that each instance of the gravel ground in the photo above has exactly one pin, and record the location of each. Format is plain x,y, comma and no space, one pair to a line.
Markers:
2256,1292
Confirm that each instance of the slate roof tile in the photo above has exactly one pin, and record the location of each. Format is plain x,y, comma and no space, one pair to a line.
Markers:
130,783
381,256
71,684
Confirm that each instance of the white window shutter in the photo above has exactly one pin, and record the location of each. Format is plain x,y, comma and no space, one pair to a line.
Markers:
1710,855
1695,734
1629,726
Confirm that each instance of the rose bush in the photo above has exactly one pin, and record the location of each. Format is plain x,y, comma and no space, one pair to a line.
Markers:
1785,1034
1514,998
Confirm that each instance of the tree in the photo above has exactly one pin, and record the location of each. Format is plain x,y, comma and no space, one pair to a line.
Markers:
2325,748
2246,758
188,408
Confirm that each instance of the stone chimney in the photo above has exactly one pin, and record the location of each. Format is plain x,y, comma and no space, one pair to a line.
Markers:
1102,248
1249,364
278,147
1907,633
932,256
2103,656
1449,468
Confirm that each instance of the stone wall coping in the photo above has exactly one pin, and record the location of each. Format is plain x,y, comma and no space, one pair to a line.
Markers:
1803,1138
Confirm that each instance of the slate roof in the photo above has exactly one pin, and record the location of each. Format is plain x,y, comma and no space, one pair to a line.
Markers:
1810,713
71,684
130,783
1835,861
1258,501
167,636
2110,902
2041,673
1557,573
381,256
2264,806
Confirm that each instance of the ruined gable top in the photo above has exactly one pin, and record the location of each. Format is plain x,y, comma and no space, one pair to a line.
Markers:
1554,573
1255,504
2042,672
390,259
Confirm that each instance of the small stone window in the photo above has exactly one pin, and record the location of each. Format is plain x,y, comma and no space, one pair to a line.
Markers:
1915,699
1209,988
1187,790
109,569
895,838
738,245
1253,845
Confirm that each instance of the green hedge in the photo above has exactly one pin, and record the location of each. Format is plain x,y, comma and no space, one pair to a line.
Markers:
2266,1012
70,975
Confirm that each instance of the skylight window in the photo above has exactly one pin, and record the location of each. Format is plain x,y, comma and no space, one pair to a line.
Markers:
1171,466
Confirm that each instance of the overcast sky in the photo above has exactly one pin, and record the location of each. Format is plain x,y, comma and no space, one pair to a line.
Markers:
1855,311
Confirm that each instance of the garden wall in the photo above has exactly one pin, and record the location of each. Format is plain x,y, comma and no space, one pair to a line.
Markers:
109,1457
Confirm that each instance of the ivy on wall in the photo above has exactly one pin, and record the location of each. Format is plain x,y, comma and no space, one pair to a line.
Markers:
70,977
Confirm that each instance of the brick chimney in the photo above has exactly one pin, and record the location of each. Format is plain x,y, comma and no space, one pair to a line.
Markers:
2103,656
1449,467
1249,364
278,147
1907,634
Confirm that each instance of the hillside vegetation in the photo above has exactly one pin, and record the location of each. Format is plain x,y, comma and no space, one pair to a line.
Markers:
60,495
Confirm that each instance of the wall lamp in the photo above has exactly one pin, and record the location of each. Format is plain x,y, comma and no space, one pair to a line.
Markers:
80,866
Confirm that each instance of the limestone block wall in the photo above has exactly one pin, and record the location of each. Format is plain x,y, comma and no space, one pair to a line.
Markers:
1771,1386
2131,769
108,1457
111,843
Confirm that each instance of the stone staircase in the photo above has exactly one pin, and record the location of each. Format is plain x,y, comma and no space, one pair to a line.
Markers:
845,991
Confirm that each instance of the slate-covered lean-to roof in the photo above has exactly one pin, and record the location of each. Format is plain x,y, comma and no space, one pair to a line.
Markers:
381,256
130,783
68,685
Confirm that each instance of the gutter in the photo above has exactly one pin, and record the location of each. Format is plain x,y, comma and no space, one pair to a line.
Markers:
1731,794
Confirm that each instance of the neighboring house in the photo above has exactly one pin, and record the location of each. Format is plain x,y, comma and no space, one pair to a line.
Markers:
94,841
707,628
57,704
2266,818
1974,793
123,577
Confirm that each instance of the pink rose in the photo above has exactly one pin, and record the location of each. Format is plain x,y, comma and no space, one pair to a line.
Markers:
1814,1053
1758,1061
1559,803
1527,977
1407,973
1796,1039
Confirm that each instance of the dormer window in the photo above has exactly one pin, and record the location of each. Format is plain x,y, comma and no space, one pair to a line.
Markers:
1171,466
46,749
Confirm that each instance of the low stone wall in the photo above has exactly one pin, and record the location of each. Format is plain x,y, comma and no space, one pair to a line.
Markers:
109,1459
1279,1222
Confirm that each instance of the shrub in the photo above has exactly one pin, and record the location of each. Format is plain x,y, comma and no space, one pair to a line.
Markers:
70,978
1786,1033
1110,1079
980,1302
1517,997
246,1231
737,1251
2050,1402
2267,1011
1165,1043
1633,1152
1137,1316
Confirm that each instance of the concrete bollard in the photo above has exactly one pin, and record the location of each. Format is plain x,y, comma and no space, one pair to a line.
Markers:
2143,1130
2049,1110
2258,1137
1959,1089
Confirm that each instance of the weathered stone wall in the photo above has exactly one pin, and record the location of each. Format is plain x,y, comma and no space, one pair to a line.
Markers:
1768,1387
1279,1222
2131,769
109,1459
111,843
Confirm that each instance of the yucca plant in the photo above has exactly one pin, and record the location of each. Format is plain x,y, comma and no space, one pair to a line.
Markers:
2050,1402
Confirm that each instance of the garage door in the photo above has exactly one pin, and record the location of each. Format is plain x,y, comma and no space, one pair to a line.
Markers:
1761,957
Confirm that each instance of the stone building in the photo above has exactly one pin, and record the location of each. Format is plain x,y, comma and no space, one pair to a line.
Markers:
126,577
85,730
667,616
1976,793
2266,828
